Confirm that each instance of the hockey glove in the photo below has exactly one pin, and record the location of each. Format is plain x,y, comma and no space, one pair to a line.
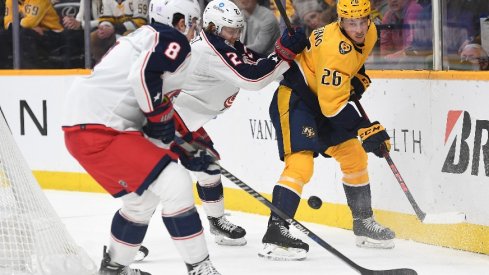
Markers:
201,140
288,46
359,83
375,139
160,123
198,161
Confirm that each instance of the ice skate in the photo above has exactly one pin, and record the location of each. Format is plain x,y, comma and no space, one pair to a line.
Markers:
202,268
142,253
371,234
227,233
108,268
280,245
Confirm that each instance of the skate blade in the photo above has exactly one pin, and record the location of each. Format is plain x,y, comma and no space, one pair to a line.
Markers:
279,253
366,242
222,240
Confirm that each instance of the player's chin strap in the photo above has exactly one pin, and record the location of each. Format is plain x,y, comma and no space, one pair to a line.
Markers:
292,221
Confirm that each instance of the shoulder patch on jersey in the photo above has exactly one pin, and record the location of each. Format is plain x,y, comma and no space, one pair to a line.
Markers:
344,47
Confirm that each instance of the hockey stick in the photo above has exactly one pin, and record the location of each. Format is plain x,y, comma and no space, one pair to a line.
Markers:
441,218
298,225
283,13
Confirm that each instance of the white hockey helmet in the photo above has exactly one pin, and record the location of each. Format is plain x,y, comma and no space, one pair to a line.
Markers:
223,13
162,11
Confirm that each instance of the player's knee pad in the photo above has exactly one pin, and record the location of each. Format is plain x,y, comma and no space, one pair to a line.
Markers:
174,189
353,161
183,225
126,231
186,230
298,171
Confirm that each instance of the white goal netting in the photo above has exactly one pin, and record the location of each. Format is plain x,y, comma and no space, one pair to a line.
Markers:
33,240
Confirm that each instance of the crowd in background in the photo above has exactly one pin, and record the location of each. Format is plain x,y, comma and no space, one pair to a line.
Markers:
52,36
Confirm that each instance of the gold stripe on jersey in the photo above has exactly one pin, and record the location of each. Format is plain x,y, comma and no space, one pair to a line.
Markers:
299,167
283,99
115,19
330,64
35,13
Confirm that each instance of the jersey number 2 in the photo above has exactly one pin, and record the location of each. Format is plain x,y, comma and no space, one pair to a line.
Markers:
234,58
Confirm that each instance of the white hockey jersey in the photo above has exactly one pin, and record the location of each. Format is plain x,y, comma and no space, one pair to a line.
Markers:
217,72
130,80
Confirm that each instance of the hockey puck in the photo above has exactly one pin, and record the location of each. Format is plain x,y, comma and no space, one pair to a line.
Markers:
314,202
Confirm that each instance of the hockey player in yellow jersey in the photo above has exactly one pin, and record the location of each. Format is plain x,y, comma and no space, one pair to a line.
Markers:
35,14
312,116
41,33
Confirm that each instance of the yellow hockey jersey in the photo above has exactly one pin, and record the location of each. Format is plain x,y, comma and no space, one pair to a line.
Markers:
330,64
131,14
34,13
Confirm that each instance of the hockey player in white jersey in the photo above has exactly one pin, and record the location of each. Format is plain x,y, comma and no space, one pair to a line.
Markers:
220,66
106,115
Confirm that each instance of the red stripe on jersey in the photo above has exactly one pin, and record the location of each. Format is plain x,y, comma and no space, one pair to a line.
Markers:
146,91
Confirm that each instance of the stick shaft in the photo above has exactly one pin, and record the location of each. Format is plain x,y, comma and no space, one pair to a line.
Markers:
283,13
295,223
288,219
419,213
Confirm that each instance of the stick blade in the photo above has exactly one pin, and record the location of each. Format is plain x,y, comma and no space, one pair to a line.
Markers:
445,218
399,271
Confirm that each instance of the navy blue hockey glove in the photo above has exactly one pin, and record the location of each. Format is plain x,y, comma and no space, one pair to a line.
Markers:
375,139
200,140
197,161
359,83
160,124
288,46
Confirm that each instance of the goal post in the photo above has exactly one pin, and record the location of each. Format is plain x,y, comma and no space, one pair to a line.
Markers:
33,239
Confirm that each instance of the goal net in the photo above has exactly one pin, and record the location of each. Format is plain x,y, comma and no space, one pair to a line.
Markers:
33,240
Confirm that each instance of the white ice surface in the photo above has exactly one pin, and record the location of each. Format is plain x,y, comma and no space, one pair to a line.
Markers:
87,217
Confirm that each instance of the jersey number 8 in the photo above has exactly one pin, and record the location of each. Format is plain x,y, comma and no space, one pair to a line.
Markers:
172,50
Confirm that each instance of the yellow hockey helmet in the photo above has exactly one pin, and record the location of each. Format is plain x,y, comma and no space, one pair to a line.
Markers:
353,8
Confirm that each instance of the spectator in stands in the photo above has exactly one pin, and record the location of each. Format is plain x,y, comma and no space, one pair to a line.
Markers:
41,32
116,19
74,26
460,27
289,9
314,14
397,28
261,29
5,41
77,23
473,57
379,8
